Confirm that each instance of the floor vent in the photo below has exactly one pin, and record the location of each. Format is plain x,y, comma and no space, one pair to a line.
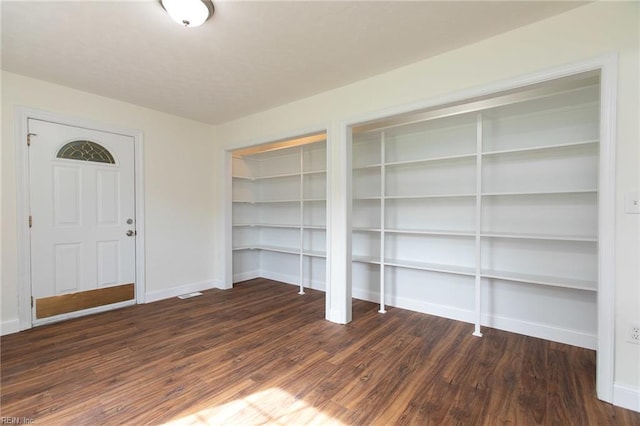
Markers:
189,295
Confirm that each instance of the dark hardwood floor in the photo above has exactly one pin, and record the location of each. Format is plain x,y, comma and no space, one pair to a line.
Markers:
262,354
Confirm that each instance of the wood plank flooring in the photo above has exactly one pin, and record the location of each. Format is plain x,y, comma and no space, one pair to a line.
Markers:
262,354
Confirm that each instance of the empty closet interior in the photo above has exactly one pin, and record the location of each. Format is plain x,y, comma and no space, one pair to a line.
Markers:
279,212
485,211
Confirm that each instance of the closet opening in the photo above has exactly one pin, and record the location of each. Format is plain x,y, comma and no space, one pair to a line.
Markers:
279,203
486,210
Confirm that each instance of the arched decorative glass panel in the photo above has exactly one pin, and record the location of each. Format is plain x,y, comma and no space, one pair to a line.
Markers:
86,151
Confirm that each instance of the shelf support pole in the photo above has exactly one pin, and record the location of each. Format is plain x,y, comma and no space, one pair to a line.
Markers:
478,281
382,221
301,220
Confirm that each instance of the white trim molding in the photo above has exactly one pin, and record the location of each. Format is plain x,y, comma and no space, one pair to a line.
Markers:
245,276
9,327
626,396
541,331
607,65
226,241
21,118
292,280
154,296
606,228
338,299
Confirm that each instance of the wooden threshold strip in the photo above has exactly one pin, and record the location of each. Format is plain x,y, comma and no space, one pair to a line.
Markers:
65,303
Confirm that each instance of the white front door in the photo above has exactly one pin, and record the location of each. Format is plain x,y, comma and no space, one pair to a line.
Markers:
82,203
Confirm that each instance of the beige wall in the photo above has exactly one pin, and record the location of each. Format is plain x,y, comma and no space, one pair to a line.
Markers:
578,35
179,178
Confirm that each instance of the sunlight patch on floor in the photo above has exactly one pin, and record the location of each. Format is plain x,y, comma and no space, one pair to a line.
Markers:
269,407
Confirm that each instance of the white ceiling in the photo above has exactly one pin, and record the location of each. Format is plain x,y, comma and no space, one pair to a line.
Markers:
250,56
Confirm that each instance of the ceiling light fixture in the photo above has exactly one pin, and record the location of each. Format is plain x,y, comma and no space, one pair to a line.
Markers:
190,13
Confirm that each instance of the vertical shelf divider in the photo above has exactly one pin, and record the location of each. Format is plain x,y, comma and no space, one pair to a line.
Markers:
301,220
478,291
382,220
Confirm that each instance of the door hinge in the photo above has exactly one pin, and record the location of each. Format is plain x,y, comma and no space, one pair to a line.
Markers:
29,138
30,221
32,301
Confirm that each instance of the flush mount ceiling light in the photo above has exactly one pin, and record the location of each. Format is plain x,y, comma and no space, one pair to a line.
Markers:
190,13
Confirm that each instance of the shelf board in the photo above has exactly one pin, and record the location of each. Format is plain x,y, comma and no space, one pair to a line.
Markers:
375,197
416,197
321,227
411,197
278,249
368,166
276,201
431,232
423,266
571,283
286,250
315,253
241,248
277,225
559,192
551,237
363,229
428,160
273,225
433,267
541,148
266,225
279,175
366,259
306,200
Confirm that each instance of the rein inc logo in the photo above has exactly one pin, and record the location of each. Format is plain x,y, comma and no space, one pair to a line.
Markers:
5,420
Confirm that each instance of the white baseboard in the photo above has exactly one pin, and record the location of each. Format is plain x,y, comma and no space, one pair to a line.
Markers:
154,296
9,327
292,279
219,284
626,396
416,305
244,276
276,276
542,331
337,316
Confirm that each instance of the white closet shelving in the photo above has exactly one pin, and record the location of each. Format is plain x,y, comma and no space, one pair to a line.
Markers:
278,211
487,216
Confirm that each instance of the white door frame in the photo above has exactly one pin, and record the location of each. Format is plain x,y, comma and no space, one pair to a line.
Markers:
21,118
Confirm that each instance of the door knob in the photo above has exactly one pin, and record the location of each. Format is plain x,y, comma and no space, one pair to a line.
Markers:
131,233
